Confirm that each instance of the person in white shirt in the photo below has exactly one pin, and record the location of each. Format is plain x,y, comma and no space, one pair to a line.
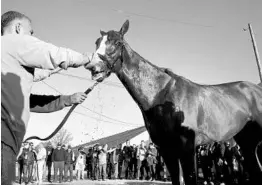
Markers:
80,163
24,59
141,161
41,158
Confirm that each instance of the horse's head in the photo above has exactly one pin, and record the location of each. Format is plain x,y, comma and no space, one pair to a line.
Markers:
108,52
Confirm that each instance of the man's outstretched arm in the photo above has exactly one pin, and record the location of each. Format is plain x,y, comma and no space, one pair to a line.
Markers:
49,103
32,52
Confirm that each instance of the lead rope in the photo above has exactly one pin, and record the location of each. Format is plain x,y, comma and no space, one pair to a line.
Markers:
258,161
64,120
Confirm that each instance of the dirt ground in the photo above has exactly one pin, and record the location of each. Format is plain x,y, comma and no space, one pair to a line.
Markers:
115,182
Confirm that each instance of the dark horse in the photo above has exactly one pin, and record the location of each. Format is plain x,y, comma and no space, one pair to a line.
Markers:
210,112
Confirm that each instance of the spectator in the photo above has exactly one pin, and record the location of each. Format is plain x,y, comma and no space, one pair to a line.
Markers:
127,153
110,164
69,161
133,161
206,163
80,163
35,169
89,159
41,159
119,155
113,161
94,163
102,153
141,161
151,161
21,161
58,158
29,158
49,161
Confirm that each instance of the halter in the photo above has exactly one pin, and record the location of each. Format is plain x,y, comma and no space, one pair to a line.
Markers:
105,59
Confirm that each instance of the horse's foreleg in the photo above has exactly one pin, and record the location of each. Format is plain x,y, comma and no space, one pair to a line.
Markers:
170,157
188,165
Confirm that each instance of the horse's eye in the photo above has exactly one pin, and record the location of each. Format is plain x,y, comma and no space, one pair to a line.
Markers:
118,43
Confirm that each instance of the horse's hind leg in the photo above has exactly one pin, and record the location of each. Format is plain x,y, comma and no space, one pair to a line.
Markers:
247,139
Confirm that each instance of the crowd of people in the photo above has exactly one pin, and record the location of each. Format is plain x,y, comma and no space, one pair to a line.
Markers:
221,162
95,163
218,162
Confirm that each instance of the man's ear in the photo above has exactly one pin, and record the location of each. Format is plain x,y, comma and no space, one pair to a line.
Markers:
18,28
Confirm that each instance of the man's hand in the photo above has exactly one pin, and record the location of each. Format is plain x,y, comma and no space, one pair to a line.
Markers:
78,98
87,58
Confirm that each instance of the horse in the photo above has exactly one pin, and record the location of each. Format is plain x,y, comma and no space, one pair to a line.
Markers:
210,112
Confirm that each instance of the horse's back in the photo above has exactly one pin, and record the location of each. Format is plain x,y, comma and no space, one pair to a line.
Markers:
223,107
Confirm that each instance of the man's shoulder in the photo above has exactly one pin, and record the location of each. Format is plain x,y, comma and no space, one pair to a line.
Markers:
10,38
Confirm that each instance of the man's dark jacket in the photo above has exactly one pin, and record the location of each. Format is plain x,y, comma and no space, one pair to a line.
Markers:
12,133
59,155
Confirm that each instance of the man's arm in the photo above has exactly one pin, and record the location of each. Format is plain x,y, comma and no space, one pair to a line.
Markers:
53,156
41,74
49,103
34,53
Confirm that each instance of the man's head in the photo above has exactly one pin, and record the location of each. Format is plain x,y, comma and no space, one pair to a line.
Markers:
142,143
26,145
120,146
40,145
13,22
31,146
99,148
59,146
127,143
151,145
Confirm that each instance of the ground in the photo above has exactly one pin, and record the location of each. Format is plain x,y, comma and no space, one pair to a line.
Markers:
115,182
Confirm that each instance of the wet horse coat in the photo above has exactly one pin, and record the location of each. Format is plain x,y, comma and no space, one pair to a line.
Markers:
210,112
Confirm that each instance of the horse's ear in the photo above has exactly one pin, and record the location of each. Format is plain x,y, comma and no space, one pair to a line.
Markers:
124,28
102,32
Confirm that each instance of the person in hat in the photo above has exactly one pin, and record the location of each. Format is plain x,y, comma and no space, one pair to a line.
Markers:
58,158
69,162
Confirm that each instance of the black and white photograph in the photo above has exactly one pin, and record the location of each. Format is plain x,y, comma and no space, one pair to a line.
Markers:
131,92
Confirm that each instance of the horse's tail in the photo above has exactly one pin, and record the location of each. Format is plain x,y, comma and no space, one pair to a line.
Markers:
258,161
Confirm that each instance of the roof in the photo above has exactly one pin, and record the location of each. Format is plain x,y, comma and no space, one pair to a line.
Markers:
114,140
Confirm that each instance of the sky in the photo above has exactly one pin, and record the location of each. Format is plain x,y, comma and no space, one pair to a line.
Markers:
202,40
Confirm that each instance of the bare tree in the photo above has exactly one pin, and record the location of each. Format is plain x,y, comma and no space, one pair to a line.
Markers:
63,137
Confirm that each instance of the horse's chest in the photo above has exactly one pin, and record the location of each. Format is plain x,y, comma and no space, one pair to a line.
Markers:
162,122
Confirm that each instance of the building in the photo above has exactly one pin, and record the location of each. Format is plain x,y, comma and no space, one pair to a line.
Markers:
135,136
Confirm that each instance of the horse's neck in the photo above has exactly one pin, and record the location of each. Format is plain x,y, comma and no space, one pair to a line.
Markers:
143,80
